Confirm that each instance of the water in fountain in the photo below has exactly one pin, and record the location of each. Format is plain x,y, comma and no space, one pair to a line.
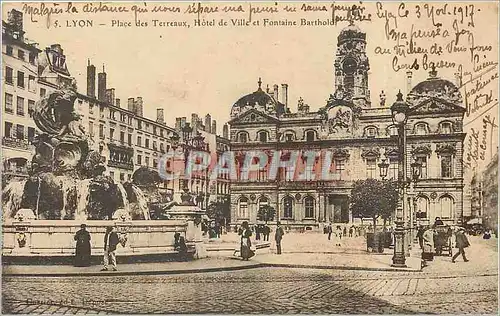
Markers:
83,191
67,185
141,201
124,196
12,198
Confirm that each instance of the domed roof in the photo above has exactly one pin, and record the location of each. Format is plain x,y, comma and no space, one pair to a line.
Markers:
260,100
436,88
351,32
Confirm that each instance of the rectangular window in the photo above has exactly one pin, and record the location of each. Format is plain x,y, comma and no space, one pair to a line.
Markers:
130,139
101,131
147,161
154,130
155,145
393,169
422,160
32,58
339,169
20,79
371,168
91,129
42,92
8,103
9,75
20,106
446,166
139,141
122,177
31,133
20,131
112,175
139,159
8,130
139,124
111,133
31,84
155,163
123,117
122,137
9,50
31,107
147,143
20,54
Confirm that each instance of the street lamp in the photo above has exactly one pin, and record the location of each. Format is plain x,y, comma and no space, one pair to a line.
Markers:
416,169
399,112
383,166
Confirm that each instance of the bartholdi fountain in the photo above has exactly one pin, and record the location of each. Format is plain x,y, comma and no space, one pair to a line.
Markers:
66,187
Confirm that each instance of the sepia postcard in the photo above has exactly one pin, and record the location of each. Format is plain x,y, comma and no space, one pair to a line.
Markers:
250,157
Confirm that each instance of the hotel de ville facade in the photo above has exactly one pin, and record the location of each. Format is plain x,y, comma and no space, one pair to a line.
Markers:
359,134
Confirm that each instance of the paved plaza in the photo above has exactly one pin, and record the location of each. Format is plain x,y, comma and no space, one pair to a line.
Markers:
442,287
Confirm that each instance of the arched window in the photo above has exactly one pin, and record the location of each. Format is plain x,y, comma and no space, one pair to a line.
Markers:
309,207
243,138
446,128
288,207
421,129
446,203
423,207
393,130
310,136
243,208
263,201
263,137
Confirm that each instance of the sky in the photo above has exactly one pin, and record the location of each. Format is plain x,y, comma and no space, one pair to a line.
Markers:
206,70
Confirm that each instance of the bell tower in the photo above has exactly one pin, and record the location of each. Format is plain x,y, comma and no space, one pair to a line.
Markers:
351,66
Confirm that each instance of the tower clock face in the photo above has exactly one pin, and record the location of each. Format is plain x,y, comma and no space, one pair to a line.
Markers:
349,66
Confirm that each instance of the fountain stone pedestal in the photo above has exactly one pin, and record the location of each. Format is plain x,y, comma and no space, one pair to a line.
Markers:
189,212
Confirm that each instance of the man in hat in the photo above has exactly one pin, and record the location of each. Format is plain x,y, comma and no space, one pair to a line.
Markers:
461,243
111,240
278,235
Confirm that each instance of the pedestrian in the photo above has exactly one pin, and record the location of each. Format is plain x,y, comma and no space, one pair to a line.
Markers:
351,231
267,232
461,243
278,236
420,236
329,230
245,243
83,249
344,233
111,241
428,245
257,232
438,222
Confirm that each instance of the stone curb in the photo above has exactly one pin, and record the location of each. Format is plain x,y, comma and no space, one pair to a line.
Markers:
207,270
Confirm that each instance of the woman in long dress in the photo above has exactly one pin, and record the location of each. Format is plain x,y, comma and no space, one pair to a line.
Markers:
428,245
83,249
245,250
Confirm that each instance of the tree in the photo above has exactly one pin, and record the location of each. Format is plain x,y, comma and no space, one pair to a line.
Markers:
372,198
266,213
219,211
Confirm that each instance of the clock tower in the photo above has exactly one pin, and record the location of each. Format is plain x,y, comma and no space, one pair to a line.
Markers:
351,66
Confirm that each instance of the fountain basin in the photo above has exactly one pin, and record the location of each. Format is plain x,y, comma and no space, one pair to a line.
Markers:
54,238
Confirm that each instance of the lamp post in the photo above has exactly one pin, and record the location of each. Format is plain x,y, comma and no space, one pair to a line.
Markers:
399,111
416,169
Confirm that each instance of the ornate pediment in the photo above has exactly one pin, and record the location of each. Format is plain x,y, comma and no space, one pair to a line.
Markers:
340,153
253,116
391,152
436,106
446,149
373,152
421,150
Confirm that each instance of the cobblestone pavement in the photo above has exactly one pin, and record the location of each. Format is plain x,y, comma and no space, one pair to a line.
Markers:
263,290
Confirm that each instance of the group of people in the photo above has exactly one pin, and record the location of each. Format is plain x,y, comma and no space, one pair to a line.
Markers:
245,232
84,249
431,243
